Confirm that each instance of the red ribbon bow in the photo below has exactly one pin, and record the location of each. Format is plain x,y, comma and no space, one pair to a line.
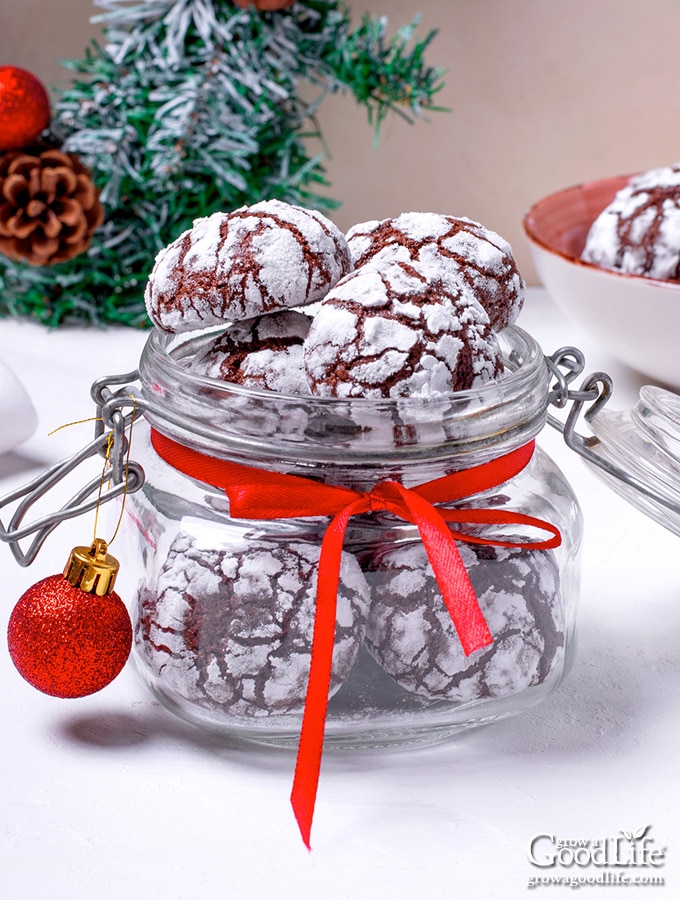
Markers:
260,494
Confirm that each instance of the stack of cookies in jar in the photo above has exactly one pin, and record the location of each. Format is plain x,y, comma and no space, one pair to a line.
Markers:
410,307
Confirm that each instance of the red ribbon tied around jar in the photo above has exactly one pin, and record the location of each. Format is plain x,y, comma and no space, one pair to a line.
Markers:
262,494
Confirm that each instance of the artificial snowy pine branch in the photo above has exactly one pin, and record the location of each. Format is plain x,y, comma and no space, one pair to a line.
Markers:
191,106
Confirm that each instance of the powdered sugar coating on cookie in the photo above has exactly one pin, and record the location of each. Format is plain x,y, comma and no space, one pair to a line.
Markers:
232,629
236,265
262,352
639,232
411,635
391,330
457,250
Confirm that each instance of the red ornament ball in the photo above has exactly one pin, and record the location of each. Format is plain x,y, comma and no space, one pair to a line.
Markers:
24,108
67,642
264,5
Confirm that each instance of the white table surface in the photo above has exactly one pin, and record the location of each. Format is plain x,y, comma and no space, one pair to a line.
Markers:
113,797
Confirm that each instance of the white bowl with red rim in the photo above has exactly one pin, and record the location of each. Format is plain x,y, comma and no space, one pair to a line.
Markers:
636,319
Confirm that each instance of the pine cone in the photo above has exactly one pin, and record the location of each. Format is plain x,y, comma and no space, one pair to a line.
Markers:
49,207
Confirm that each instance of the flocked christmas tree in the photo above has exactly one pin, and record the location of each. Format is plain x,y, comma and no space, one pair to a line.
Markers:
191,106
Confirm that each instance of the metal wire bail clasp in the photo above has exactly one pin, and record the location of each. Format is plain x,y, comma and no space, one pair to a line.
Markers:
565,365
110,442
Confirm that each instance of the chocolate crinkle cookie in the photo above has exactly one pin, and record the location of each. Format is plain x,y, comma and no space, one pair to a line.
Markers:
261,352
393,330
232,629
639,232
236,265
411,635
454,249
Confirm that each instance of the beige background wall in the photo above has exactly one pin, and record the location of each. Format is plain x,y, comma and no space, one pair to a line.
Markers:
542,93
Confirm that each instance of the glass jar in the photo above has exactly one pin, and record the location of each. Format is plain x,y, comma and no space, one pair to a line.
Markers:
224,618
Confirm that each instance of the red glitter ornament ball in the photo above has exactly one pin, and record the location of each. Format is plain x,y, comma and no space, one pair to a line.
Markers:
265,5
67,642
24,108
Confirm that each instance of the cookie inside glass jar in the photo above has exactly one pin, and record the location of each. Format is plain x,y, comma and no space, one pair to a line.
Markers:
395,329
231,629
411,635
262,352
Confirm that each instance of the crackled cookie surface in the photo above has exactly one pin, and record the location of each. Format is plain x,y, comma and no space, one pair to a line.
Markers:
411,635
236,265
390,329
639,232
232,629
262,352
456,249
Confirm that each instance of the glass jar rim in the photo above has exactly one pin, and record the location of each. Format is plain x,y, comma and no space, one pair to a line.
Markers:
225,419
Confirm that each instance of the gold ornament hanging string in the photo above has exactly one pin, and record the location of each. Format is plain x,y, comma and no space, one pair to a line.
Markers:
107,460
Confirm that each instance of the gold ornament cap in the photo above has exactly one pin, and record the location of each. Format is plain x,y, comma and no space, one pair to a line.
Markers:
92,569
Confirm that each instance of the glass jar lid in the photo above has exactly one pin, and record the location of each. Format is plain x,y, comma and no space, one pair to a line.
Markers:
644,443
